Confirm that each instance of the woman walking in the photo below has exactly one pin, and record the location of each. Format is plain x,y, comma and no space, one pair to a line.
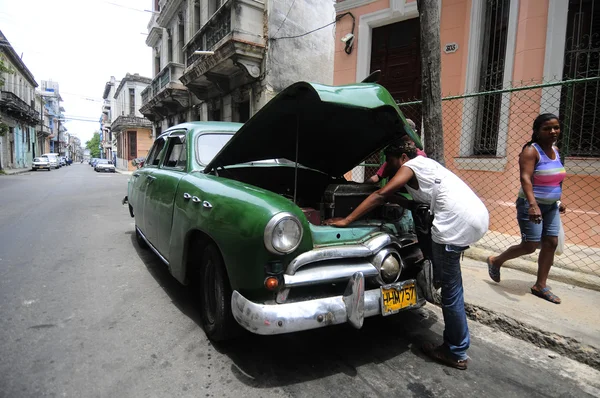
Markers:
542,174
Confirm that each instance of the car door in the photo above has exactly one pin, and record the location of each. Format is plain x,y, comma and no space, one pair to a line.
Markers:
140,180
161,192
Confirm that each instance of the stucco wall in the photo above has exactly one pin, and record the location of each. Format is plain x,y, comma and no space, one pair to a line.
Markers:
307,58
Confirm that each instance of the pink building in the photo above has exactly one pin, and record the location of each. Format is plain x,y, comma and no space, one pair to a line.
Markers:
490,45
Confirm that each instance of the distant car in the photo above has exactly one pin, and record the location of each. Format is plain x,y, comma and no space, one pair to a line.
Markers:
61,160
53,157
104,165
41,163
93,162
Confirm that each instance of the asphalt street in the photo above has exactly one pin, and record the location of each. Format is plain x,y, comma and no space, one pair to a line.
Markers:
84,312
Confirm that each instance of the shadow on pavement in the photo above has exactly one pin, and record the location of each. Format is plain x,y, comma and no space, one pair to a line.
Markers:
280,360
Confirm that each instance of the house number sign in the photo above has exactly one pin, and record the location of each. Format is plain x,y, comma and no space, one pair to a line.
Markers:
450,48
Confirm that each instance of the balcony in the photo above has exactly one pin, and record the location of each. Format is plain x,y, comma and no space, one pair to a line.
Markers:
17,108
44,130
165,96
130,122
106,107
235,34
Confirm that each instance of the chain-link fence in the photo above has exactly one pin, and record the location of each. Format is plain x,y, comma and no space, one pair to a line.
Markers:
483,137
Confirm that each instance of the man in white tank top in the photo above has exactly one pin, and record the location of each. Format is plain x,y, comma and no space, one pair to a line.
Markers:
460,219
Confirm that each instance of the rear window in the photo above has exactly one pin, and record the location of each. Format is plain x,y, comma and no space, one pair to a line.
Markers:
208,145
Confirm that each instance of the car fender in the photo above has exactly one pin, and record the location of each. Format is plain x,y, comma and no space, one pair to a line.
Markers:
235,222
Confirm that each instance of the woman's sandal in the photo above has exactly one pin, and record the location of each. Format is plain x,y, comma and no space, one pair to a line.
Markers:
493,271
546,294
440,354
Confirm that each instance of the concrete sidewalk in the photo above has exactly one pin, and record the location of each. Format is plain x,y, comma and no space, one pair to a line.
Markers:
126,172
571,328
10,172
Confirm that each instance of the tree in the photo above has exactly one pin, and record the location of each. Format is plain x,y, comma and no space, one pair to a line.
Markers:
4,69
94,145
431,64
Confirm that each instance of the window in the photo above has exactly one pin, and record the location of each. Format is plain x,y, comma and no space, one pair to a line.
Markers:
170,49
208,145
154,156
491,77
212,7
132,101
244,111
196,15
157,64
579,111
175,152
132,144
180,42
156,5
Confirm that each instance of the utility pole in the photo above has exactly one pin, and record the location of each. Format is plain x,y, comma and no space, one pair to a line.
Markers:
429,16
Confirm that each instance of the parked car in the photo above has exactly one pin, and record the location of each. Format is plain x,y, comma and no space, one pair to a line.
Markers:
93,162
53,157
62,161
41,163
238,209
104,165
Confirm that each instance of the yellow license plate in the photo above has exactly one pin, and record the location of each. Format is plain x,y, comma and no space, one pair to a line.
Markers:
397,297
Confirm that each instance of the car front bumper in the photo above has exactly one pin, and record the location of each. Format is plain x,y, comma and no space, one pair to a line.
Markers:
351,307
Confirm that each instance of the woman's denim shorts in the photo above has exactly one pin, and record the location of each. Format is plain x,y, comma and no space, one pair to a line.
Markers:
532,232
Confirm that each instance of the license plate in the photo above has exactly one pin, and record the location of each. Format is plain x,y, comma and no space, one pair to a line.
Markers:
397,297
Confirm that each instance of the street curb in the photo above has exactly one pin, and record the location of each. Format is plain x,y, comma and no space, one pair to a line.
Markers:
12,173
566,346
127,173
560,274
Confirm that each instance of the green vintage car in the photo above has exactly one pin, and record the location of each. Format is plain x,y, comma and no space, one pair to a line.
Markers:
239,210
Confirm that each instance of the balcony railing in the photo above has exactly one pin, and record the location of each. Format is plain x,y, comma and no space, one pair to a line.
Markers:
170,74
217,27
130,122
15,104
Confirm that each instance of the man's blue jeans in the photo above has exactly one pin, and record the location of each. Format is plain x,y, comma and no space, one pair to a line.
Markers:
446,268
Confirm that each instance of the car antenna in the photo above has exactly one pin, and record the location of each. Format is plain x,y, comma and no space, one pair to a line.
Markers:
296,167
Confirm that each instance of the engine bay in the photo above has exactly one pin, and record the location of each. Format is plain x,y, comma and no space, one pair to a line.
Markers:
319,196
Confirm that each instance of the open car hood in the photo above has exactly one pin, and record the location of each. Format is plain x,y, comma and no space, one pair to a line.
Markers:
327,128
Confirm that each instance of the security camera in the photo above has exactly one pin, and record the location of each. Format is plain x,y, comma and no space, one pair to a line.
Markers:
348,37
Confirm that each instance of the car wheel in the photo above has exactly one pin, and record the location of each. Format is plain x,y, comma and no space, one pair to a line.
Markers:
215,297
140,241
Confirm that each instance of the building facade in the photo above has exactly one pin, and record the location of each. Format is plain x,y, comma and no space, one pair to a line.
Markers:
108,142
130,129
516,59
54,111
18,117
249,51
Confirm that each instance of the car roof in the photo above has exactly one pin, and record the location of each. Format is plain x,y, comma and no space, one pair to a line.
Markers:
209,126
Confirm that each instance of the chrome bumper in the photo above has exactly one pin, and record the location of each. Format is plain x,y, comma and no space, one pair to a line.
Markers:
352,307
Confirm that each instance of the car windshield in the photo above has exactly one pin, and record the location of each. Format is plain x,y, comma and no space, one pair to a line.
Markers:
102,161
40,159
208,145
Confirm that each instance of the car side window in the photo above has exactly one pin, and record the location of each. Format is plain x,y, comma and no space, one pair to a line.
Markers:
175,152
154,155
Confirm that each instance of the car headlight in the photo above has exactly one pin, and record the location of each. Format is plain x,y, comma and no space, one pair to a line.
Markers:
283,233
390,266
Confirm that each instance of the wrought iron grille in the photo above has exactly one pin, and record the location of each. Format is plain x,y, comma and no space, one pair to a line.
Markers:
491,76
579,105
496,179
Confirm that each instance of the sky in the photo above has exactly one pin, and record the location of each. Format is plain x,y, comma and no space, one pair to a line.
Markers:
80,44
